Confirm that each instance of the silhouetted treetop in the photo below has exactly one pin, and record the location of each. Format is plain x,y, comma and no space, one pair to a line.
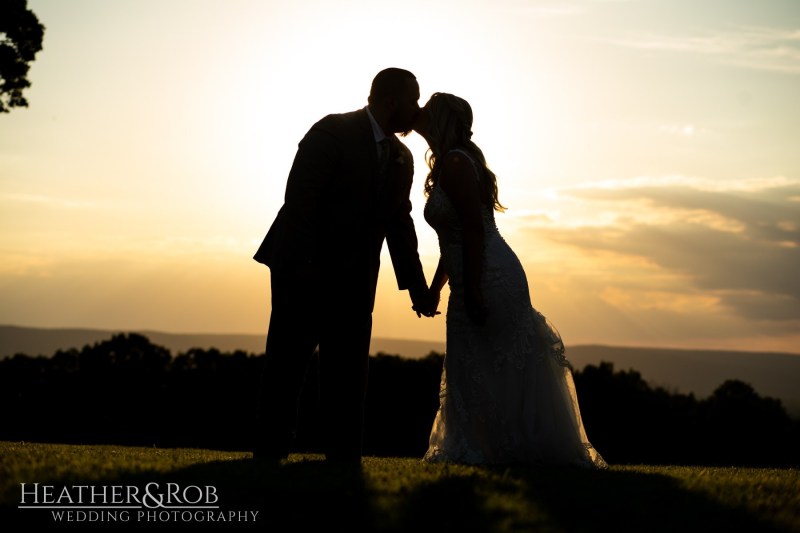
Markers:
127,390
21,36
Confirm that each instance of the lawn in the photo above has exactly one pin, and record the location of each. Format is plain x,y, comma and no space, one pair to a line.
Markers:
386,494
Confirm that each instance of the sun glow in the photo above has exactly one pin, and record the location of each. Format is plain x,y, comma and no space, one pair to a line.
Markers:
149,166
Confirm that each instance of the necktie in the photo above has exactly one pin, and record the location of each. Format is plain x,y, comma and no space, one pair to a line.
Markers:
383,156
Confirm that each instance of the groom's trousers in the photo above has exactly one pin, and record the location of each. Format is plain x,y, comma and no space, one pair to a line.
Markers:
306,316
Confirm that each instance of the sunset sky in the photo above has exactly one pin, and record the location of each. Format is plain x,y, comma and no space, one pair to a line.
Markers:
648,152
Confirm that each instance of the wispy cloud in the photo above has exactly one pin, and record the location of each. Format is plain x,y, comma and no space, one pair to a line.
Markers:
687,131
752,185
738,242
760,48
538,8
561,9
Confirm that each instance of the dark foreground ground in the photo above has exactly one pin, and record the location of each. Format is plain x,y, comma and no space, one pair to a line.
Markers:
190,489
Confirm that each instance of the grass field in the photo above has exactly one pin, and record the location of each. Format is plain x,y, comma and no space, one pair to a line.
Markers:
401,494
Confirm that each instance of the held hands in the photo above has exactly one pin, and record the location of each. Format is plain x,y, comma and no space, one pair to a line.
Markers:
426,302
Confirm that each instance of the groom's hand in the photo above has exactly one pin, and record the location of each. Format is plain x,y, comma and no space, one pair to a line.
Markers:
428,312
424,302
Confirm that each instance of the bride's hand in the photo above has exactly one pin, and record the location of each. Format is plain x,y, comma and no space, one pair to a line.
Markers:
426,303
434,297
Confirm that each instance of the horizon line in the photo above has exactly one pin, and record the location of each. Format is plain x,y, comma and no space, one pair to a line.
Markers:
442,341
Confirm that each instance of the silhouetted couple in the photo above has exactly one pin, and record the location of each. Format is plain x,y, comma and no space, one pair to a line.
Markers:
507,394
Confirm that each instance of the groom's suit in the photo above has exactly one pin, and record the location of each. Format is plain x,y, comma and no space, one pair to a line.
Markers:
323,250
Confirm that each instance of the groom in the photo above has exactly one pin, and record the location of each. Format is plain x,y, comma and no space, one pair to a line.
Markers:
347,191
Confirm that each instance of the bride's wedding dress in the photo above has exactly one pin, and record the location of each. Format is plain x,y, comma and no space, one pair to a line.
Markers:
507,393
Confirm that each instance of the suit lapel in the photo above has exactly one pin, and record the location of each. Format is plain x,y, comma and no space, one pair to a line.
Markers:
382,187
397,175
369,141
385,177
370,151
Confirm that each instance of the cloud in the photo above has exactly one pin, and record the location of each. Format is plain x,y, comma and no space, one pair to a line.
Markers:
680,130
553,9
560,9
738,242
760,48
557,10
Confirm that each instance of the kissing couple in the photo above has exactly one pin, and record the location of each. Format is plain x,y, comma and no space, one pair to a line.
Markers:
507,394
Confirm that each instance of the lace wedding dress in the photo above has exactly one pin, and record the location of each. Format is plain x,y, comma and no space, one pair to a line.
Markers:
507,394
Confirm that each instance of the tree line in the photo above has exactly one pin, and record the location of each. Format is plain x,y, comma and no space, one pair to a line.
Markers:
129,391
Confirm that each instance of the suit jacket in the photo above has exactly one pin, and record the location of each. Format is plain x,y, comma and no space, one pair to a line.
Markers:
338,210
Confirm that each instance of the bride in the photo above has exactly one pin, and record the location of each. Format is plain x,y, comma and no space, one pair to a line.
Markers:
507,393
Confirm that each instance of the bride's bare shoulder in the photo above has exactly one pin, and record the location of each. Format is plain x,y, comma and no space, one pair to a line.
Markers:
456,163
458,177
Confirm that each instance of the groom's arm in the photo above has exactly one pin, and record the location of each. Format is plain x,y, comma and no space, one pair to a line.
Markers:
401,238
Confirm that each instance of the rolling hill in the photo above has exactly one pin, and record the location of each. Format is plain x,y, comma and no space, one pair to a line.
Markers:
45,341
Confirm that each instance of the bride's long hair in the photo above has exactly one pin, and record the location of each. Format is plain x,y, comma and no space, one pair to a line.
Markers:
451,127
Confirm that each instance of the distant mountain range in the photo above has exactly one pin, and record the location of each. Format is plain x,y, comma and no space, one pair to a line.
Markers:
698,371
45,341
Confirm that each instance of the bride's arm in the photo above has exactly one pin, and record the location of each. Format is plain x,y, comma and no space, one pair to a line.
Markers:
459,182
439,278
437,284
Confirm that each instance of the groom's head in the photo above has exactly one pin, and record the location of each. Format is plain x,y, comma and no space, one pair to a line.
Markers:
393,100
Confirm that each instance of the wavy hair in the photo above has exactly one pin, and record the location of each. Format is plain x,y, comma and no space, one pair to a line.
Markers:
451,127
